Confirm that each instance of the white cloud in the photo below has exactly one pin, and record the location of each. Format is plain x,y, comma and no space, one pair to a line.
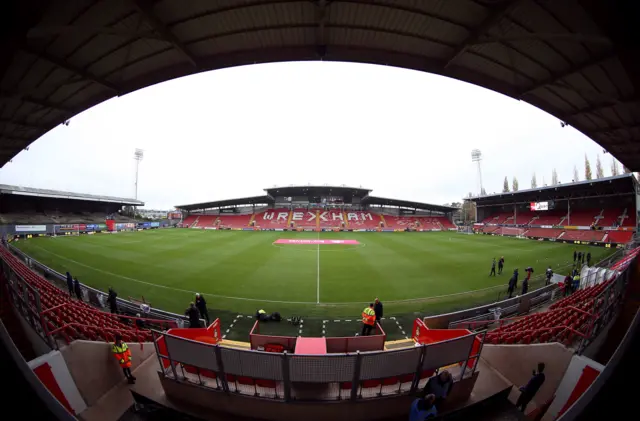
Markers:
231,133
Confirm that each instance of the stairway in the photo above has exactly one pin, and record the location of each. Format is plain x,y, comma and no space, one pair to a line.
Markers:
13,326
289,219
346,221
195,222
384,223
317,220
253,217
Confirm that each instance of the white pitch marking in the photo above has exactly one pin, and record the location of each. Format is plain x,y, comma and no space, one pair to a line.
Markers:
336,321
347,320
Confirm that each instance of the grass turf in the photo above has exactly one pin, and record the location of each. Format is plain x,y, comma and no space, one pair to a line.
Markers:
239,272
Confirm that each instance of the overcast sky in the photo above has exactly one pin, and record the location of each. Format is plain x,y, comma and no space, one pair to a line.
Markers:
230,133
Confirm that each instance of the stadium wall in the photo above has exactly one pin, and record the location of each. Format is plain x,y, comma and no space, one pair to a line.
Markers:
201,401
93,368
516,362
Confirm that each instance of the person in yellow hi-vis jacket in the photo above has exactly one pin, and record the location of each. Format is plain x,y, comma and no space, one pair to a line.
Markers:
122,353
368,320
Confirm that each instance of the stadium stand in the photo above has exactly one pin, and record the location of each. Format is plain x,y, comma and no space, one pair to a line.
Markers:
609,217
331,219
523,217
583,235
304,218
565,321
619,237
584,217
628,218
205,221
272,219
233,221
544,232
548,218
400,222
190,220
363,220
68,319
446,224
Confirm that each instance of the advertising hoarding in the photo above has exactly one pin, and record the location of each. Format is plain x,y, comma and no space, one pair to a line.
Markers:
31,228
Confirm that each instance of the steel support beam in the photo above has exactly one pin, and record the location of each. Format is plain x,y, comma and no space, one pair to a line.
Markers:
321,17
554,78
146,10
17,96
579,38
56,30
21,123
595,108
69,67
494,16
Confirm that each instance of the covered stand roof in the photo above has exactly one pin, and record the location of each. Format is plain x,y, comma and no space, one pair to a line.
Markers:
56,194
608,186
253,200
325,190
372,200
576,59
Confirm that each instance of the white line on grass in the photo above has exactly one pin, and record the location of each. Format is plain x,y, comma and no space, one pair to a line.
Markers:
408,300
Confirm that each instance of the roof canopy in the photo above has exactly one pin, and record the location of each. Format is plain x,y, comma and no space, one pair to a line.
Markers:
372,200
616,185
311,191
55,194
254,200
575,59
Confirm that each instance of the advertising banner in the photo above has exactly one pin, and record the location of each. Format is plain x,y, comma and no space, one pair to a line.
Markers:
31,228
154,224
72,227
174,215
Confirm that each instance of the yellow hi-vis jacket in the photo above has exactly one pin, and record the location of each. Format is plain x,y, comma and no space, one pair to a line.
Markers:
368,316
122,354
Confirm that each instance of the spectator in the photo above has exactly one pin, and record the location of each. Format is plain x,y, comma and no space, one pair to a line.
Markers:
193,315
493,267
377,308
76,288
549,275
589,259
500,265
568,281
112,300
575,256
70,284
201,305
139,322
513,283
531,388
423,408
439,386
525,286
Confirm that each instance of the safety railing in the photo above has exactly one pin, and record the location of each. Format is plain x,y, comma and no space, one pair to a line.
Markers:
93,296
25,299
330,377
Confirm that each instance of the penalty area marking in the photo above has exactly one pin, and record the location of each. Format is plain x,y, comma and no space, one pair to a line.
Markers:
408,300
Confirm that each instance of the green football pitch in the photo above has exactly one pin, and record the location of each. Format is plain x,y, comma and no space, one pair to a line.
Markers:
238,271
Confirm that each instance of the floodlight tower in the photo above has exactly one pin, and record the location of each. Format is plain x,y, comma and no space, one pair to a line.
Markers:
476,156
138,155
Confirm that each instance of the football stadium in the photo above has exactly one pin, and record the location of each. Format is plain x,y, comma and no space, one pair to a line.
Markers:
315,301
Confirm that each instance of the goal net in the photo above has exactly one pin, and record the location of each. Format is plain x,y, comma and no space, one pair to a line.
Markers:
513,232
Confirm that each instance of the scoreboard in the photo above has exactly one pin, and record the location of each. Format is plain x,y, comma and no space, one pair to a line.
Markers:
541,206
